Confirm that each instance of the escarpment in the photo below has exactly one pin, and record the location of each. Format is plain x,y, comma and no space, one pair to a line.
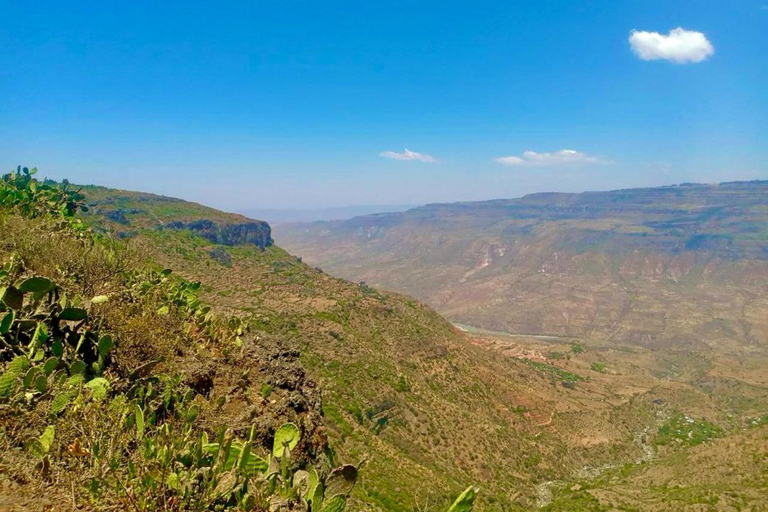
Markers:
256,233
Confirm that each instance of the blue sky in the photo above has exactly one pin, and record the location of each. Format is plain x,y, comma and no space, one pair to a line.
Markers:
292,104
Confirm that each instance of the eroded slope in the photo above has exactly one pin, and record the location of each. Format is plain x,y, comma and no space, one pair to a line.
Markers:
682,266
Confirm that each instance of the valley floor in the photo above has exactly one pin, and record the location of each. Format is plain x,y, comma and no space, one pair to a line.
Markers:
701,444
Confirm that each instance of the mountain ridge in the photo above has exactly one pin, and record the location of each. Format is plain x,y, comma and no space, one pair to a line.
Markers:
605,264
127,212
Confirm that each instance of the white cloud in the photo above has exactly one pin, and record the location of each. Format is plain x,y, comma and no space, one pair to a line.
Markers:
534,159
679,46
408,155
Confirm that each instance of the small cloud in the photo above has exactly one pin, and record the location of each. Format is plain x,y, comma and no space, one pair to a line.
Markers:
510,160
534,159
408,155
679,46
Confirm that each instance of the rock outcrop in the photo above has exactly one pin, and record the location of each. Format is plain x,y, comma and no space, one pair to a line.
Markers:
256,233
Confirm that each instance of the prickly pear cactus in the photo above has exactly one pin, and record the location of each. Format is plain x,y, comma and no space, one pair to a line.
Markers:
301,483
286,436
465,501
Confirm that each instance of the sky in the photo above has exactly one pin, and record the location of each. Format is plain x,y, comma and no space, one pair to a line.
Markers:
291,105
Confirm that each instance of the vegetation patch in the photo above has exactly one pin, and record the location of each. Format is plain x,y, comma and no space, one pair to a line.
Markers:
553,371
758,422
685,430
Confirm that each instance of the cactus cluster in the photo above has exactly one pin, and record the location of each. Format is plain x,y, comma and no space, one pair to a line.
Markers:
47,338
179,296
197,472
22,193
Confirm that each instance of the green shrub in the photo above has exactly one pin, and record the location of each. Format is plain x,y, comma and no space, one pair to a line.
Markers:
553,371
402,385
685,430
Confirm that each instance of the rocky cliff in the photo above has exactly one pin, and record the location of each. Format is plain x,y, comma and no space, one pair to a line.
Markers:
256,233
127,213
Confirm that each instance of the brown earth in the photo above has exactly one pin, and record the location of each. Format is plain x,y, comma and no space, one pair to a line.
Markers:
684,266
433,408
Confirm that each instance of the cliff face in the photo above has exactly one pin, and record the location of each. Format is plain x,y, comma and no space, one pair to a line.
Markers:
256,233
127,213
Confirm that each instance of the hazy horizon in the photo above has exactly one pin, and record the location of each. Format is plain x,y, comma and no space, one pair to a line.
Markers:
278,216
292,106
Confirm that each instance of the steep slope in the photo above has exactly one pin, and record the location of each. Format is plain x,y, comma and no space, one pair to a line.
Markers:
432,408
120,390
683,265
402,388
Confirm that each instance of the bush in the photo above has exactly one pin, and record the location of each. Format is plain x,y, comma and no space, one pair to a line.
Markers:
685,430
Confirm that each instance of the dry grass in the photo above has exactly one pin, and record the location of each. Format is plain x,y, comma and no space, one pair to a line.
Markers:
226,379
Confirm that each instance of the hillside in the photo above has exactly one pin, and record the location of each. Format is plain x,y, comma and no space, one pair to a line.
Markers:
118,387
126,213
377,376
432,408
405,389
402,387
683,265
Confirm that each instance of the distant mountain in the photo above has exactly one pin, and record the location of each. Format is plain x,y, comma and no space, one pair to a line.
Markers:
682,265
283,216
